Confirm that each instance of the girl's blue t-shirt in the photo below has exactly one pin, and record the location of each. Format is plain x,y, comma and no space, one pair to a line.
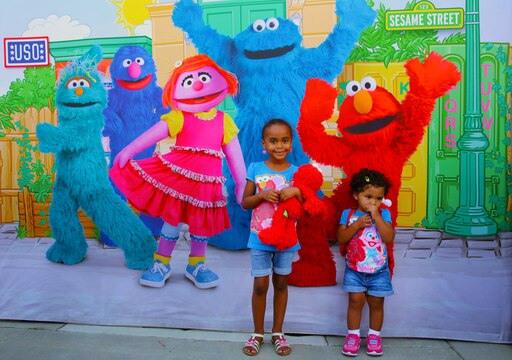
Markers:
265,178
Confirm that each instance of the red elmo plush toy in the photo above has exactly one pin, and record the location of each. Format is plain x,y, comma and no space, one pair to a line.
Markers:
377,131
282,233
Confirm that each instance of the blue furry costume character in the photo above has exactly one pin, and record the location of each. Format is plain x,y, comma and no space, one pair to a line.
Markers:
134,105
82,179
272,68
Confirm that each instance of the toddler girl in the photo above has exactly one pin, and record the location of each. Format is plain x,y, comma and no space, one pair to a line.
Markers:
367,229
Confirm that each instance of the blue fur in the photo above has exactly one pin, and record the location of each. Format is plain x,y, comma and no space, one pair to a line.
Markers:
82,179
272,87
131,112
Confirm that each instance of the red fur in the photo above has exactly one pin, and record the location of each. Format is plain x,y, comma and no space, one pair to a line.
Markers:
316,266
385,150
282,233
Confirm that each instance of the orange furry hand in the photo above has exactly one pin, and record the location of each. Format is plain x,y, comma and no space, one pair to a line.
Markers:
433,78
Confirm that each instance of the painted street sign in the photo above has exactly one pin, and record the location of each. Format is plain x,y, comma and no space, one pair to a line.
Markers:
26,51
425,16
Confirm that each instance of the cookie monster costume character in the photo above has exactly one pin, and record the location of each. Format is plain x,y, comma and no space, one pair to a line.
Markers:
134,105
378,132
82,178
272,68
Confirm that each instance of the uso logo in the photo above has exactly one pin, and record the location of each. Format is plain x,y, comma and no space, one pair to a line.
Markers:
26,51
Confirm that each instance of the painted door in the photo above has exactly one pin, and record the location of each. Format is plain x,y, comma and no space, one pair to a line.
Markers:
231,17
447,126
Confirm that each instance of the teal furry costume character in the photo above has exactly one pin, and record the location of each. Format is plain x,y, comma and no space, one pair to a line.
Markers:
272,67
82,178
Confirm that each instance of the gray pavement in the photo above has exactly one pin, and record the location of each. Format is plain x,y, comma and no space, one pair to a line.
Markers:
42,341
39,340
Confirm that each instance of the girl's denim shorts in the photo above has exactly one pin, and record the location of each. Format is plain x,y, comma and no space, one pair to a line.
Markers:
377,284
265,263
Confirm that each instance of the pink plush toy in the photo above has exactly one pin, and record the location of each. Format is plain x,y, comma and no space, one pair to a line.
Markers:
282,234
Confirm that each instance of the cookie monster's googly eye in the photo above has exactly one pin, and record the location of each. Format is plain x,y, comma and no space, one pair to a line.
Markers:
272,24
352,88
139,61
258,25
78,82
369,83
126,62
205,77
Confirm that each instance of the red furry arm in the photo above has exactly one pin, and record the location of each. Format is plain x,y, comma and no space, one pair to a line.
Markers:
313,205
282,234
433,78
428,81
316,107
292,207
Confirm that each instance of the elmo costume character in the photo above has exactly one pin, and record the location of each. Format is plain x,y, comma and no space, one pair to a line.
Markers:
377,131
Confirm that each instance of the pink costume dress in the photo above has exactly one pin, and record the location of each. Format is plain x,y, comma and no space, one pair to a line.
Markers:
184,185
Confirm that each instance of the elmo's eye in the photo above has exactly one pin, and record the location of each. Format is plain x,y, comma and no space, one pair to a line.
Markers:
272,24
369,83
352,88
126,62
258,25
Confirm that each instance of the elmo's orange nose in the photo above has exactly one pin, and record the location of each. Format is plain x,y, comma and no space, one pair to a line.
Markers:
363,102
79,91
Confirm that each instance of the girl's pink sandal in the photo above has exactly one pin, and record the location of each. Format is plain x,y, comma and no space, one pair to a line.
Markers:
281,346
253,344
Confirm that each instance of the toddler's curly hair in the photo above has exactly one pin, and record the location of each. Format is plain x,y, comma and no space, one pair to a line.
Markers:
366,177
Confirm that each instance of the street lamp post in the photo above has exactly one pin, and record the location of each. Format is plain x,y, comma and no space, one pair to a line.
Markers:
471,217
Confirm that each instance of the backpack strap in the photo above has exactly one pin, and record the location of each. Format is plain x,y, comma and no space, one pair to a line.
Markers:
360,231
343,247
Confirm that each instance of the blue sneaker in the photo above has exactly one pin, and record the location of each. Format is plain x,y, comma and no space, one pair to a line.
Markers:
156,276
201,276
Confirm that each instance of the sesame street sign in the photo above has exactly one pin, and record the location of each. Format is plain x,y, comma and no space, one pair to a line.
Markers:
425,16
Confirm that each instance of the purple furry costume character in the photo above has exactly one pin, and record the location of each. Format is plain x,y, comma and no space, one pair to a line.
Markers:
134,105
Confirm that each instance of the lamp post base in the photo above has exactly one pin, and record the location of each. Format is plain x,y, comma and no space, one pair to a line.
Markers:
467,223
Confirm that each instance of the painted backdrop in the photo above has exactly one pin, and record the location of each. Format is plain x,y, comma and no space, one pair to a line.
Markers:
430,193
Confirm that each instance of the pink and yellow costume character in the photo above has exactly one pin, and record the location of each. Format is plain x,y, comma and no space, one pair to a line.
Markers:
184,186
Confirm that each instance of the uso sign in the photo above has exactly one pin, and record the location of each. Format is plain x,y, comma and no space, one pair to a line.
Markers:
26,51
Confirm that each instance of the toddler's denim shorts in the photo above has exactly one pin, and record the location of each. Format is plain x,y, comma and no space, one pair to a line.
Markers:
377,284
264,262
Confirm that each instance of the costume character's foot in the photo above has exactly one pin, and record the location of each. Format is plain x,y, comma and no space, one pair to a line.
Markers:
156,276
201,276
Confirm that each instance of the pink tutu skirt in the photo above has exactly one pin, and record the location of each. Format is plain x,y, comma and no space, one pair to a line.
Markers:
177,187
